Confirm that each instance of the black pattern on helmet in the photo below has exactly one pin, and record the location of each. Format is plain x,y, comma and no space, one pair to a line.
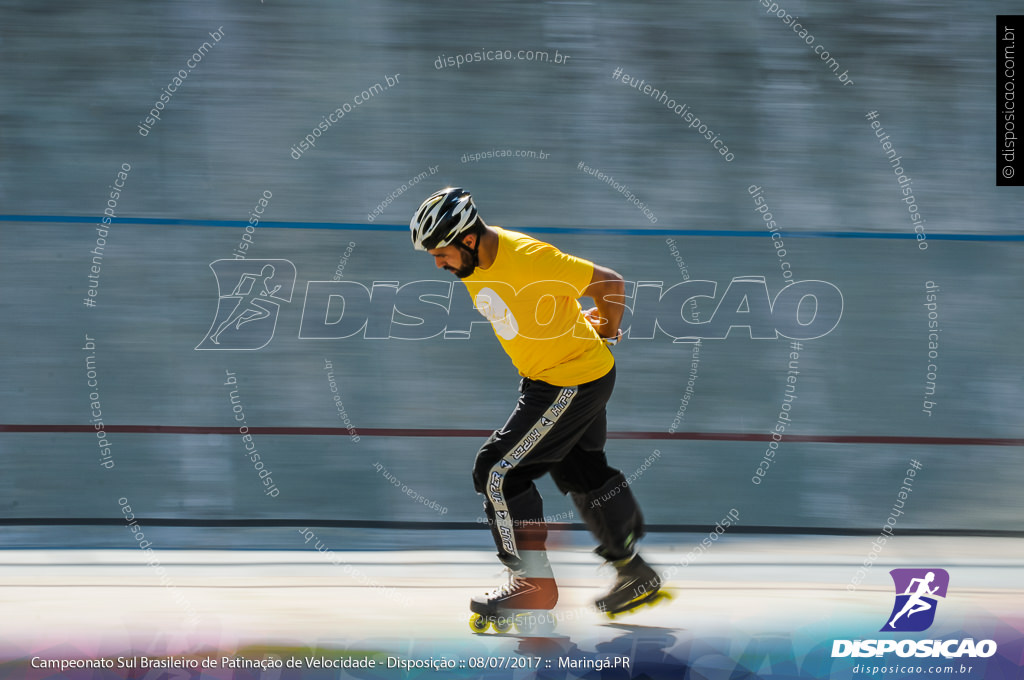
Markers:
442,218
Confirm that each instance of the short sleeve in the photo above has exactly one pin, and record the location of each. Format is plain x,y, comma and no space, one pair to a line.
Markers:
550,265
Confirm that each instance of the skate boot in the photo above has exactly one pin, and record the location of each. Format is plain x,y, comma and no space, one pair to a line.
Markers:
524,602
527,599
636,584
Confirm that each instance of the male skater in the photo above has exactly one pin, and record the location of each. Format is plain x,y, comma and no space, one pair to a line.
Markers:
529,292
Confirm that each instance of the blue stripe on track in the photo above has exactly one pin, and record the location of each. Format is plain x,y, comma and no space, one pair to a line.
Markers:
351,226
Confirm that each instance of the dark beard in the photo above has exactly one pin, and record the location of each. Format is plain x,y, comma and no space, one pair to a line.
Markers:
467,267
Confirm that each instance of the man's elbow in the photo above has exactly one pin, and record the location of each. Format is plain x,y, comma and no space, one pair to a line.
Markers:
606,284
607,277
615,283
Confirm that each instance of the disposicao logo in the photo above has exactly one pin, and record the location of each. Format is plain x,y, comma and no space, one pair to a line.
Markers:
918,592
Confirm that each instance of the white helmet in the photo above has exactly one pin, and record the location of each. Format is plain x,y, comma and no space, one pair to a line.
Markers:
442,218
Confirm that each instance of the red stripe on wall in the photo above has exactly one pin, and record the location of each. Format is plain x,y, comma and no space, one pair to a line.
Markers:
418,432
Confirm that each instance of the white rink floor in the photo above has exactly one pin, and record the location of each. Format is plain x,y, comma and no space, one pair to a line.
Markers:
107,601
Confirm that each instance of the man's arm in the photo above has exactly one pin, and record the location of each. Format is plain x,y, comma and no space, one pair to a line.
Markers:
608,291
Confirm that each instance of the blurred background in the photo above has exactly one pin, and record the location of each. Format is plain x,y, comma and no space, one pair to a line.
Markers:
79,79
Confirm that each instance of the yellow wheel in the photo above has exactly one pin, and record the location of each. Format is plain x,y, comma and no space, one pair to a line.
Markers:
478,623
502,624
658,597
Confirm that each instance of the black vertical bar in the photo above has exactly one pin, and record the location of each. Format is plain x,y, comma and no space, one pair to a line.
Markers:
1009,151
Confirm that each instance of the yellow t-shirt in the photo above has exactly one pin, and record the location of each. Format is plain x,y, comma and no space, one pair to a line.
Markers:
530,295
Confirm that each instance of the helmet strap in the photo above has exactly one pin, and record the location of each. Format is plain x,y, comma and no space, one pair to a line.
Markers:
474,251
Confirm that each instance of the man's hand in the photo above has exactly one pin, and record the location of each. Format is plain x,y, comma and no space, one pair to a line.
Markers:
601,325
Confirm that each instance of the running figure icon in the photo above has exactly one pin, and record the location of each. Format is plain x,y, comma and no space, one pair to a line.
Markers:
918,591
251,306
251,295
916,603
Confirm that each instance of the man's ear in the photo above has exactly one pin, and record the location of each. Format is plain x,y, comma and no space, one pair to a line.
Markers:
470,243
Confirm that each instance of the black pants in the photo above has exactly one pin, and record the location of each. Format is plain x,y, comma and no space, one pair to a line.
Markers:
561,431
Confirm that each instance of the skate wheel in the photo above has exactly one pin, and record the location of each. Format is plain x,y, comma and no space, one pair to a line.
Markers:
649,601
661,595
502,624
478,623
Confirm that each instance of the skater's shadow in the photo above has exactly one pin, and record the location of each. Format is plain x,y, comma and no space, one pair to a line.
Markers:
548,646
648,648
633,628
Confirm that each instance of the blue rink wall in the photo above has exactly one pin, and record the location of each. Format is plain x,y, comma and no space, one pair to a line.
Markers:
866,378
566,150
